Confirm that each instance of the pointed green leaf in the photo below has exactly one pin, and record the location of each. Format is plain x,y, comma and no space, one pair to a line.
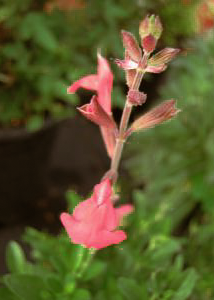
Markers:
131,290
81,294
15,258
27,287
95,269
187,285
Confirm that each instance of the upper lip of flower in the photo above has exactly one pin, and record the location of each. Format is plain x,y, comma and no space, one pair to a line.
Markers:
99,110
101,82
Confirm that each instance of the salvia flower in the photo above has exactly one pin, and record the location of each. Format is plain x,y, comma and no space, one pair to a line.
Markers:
94,221
101,83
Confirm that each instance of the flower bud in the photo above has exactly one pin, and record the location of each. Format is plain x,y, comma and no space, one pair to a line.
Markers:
131,46
150,30
156,69
163,112
149,43
163,57
151,25
136,98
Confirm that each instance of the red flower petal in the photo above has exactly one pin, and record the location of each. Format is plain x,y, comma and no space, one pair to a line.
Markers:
77,231
89,82
84,209
94,221
106,238
124,210
109,139
95,113
102,192
105,82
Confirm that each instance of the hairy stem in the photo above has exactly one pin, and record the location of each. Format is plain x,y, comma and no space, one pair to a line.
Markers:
125,119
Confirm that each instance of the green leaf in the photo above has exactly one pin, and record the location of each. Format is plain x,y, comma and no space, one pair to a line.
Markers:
131,290
81,294
34,26
69,284
6,294
27,287
35,122
15,258
73,199
5,13
54,283
187,285
96,268
45,38
162,247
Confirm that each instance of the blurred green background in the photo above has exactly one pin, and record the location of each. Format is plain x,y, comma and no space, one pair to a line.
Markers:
167,172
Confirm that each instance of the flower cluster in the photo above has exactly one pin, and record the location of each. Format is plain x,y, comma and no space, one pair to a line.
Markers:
94,221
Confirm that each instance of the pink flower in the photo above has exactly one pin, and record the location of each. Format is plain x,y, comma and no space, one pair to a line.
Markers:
101,83
94,221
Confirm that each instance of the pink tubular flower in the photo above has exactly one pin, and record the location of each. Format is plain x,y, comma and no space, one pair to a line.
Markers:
94,221
102,83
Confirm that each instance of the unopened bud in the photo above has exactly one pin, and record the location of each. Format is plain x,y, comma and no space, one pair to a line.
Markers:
136,98
156,69
150,31
163,112
151,25
148,43
163,57
131,46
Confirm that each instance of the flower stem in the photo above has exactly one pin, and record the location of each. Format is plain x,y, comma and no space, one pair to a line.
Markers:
125,119
87,262
78,261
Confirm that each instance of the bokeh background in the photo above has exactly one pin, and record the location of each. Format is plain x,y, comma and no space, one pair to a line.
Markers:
48,151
